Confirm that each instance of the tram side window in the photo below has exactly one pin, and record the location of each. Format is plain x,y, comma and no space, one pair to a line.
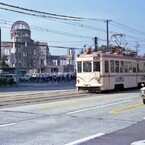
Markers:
106,66
134,67
121,66
112,66
87,66
130,66
141,67
144,67
79,67
117,66
138,70
96,66
126,66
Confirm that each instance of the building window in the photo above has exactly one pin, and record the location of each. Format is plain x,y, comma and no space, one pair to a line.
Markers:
42,62
34,52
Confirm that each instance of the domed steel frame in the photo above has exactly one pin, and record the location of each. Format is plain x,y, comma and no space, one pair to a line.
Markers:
20,25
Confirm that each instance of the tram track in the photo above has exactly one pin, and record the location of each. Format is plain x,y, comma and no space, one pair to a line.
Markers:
26,99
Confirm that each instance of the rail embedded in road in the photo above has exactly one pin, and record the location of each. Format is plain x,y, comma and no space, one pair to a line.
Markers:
23,99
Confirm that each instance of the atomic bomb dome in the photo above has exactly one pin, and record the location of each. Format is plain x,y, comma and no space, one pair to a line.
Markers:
20,25
22,30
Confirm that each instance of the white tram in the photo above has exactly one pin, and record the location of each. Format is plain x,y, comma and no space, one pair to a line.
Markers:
97,71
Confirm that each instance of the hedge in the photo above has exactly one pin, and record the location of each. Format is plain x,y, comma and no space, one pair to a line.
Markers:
6,82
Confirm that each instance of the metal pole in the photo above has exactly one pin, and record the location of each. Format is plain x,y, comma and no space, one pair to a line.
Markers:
16,56
107,34
0,43
107,29
96,44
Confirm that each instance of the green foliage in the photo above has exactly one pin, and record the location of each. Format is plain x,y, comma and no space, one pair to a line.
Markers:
10,81
104,48
3,81
6,81
3,63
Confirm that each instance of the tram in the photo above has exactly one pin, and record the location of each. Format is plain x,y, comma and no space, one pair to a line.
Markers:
117,69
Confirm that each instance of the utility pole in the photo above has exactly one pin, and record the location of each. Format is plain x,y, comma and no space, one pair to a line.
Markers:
137,46
107,29
16,58
96,44
0,43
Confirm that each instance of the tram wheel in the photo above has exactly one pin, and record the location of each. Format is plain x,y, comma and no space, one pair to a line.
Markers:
117,88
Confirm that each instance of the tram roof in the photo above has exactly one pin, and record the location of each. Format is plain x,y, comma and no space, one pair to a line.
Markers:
111,55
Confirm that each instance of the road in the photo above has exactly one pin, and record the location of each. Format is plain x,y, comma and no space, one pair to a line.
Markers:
95,119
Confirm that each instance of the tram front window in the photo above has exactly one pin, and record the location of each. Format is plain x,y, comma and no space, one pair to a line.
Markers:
87,67
79,67
96,65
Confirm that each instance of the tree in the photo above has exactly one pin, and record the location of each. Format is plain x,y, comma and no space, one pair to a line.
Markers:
104,48
3,63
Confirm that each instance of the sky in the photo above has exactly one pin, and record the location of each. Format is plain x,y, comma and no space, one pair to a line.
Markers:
125,17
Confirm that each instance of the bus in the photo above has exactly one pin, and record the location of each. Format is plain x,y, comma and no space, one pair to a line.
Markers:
117,69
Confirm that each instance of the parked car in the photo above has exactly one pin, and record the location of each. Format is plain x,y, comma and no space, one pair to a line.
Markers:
25,78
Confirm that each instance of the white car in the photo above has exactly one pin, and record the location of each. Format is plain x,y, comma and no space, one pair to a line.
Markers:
142,142
142,94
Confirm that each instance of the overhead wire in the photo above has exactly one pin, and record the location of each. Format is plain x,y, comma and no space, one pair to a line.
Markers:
70,20
33,14
50,17
127,28
45,13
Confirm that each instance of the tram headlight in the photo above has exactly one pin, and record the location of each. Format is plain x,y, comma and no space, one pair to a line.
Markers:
78,81
98,80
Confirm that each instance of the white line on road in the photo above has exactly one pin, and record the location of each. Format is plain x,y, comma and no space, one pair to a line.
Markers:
101,106
4,125
85,139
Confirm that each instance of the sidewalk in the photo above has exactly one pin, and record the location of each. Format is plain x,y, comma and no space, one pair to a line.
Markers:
29,87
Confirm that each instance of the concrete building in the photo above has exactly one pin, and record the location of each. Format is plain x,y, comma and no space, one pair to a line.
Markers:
33,56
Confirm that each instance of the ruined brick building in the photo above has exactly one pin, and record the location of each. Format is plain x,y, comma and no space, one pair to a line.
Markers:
34,56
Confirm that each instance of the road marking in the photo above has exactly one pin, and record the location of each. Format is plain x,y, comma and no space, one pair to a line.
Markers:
66,102
62,103
127,109
101,106
85,139
4,125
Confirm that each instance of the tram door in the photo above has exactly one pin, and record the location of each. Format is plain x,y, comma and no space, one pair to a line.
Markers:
106,78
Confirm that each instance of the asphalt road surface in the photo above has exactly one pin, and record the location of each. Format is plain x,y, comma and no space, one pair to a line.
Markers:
115,118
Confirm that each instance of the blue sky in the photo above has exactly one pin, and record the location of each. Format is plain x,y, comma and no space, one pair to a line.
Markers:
127,17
